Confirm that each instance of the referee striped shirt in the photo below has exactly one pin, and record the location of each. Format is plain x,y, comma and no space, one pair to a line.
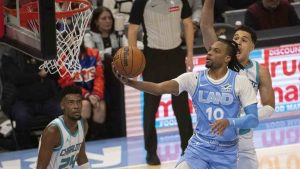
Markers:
161,21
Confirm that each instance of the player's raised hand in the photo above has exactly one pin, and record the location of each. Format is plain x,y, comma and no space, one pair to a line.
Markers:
123,79
219,126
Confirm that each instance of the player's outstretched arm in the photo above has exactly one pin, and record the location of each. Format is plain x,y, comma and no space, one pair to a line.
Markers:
248,101
207,24
50,139
266,94
167,87
171,86
250,120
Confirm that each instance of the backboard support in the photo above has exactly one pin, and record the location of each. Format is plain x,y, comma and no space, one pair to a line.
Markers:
40,45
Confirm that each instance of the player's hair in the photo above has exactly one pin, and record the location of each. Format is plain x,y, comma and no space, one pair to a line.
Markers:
71,89
95,16
232,49
249,30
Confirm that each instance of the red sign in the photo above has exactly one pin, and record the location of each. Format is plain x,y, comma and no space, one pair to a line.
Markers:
283,63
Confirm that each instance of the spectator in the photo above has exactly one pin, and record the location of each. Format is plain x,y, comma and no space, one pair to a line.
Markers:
223,5
268,14
220,7
5,125
238,4
103,37
165,60
34,93
91,80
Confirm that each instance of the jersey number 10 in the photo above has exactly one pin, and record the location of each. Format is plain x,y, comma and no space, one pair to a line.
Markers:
215,114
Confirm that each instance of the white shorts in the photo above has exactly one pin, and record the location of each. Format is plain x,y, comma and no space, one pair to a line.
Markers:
246,152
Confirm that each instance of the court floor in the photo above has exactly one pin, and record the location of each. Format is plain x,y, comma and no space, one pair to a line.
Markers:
277,143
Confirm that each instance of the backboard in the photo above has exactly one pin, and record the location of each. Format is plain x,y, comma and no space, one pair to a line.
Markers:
39,44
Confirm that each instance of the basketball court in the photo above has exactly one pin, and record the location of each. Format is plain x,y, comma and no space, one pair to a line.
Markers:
277,143
43,36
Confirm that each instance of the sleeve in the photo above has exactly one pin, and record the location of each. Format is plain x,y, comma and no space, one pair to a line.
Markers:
248,100
98,87
186,10
250,120
88,41
19,77
67,80
13,72
196,9
187,82
137,12
245,91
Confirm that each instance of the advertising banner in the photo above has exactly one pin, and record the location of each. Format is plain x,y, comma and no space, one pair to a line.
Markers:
283,63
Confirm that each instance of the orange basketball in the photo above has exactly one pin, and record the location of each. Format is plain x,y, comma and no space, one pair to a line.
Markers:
129,61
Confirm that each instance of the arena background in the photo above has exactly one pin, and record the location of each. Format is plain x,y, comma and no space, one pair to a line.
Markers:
277,140
283,63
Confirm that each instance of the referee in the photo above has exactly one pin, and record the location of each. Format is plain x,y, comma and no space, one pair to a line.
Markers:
165,60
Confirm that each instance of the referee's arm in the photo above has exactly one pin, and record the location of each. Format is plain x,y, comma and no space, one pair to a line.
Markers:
186,16
189,35
135,19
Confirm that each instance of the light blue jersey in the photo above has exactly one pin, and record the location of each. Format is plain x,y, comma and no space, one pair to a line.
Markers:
213,102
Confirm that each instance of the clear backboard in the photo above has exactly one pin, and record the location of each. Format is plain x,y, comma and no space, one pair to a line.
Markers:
40,44
48,30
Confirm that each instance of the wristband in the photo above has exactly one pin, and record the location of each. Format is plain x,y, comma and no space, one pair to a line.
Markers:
265,112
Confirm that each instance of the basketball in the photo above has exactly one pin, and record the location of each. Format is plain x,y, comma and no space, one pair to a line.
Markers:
129,61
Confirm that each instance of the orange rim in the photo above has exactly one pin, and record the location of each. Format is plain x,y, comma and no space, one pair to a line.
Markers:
31,15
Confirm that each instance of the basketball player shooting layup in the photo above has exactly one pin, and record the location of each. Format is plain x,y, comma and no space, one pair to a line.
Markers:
62,142
257,74
217,94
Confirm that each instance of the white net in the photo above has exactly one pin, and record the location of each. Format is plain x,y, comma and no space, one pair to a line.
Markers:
69,35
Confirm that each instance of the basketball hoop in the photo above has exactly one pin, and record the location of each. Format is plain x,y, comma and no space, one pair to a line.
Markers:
72,18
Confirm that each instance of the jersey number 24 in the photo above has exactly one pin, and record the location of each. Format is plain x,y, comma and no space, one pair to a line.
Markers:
69,161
